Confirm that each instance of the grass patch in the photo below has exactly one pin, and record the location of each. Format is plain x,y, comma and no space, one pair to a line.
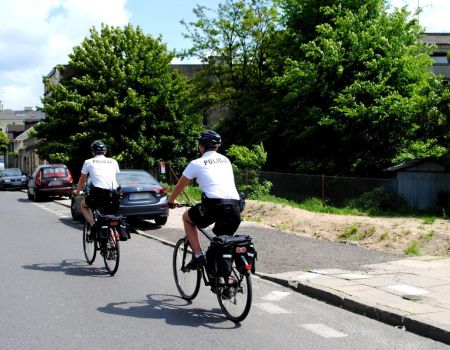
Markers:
311,204
350,233
191,194
426,236
354,233
412,249
384,235
429,220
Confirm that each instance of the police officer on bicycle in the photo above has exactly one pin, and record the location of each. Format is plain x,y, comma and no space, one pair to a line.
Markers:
220,200
102,173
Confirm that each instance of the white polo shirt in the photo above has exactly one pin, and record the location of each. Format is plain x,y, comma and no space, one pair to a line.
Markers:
214,175
102,171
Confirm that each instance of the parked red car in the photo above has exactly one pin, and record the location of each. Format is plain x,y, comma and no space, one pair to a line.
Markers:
50,180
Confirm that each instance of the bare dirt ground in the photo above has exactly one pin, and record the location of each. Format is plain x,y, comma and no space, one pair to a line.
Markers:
404,235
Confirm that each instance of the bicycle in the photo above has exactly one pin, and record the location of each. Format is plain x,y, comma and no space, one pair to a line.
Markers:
229,264
113,229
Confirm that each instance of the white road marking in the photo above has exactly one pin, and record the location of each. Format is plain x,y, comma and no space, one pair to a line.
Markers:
408,289
53,211
323,330
276,295
306,276
352,276
272,308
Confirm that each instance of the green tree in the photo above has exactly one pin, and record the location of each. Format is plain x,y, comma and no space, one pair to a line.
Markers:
236,44
4,143
354,90
118,87
247,166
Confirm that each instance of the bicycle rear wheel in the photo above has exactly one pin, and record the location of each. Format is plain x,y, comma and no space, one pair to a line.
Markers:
187,281
235,299
89,246
111,252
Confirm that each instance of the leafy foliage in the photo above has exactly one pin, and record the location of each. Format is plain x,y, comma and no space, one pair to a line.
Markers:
380,201
235,43
339,87
118,87
354,90
4,143
247,168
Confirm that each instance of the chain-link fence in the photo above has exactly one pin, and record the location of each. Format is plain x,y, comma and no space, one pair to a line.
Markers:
333,189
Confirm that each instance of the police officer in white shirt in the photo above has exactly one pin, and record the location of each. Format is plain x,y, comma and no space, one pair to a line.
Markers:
220,199
102,173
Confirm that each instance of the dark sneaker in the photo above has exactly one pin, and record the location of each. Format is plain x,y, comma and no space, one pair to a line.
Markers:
196,262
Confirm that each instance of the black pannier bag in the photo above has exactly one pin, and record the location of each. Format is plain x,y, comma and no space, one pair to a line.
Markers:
124,230
224,249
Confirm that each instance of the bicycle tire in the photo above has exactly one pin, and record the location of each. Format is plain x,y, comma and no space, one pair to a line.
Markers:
236,301
187,281
89,246
111,252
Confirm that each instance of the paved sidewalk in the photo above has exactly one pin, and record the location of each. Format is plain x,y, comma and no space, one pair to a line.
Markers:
412,293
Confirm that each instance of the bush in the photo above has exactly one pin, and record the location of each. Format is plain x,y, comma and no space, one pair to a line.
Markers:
380,201
247,168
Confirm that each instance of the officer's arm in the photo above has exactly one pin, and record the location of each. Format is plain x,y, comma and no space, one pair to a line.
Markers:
81,184
182,183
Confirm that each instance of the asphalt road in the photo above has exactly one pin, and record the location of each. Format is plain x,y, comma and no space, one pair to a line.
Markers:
50,298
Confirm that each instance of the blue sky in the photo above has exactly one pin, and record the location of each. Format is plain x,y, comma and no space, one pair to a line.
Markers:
36,35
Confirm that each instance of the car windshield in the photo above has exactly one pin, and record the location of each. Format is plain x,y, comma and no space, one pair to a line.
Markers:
12,172
54,172
130,178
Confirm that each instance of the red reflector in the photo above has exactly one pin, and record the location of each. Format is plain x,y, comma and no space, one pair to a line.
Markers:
161,190
114,223
240,250
248,266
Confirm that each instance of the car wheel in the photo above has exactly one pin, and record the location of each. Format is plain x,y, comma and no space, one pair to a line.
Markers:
36,197
161,220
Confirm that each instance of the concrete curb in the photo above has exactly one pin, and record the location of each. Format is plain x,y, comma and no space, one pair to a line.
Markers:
342,300
374,312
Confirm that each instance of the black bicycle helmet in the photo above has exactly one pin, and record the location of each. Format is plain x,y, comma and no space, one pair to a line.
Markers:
209,138
98,147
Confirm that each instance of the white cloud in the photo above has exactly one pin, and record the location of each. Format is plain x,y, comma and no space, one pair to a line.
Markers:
434,14
35,36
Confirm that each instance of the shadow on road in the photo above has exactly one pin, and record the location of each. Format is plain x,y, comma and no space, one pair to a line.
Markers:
72,223
69,267
144,225
173,310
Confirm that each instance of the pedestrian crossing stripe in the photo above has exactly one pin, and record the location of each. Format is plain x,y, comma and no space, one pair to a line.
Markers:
323,330
276,295
271,308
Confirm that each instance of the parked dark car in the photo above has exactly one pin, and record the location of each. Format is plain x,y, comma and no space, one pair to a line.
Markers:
12,178
50,180
143,197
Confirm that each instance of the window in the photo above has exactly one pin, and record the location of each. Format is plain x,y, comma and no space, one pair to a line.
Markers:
439,59
54,172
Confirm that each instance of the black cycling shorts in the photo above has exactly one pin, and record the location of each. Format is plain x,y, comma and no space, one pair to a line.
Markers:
102,198
226,214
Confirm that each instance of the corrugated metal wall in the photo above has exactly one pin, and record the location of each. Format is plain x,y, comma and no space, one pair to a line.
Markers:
421,188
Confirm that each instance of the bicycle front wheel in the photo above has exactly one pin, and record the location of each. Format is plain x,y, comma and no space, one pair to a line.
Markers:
89,246
111,252
235,299
187,281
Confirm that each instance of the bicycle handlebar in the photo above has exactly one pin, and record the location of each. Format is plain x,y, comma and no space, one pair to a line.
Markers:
180,205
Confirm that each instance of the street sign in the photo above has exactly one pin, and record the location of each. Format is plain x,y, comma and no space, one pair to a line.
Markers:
163,167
